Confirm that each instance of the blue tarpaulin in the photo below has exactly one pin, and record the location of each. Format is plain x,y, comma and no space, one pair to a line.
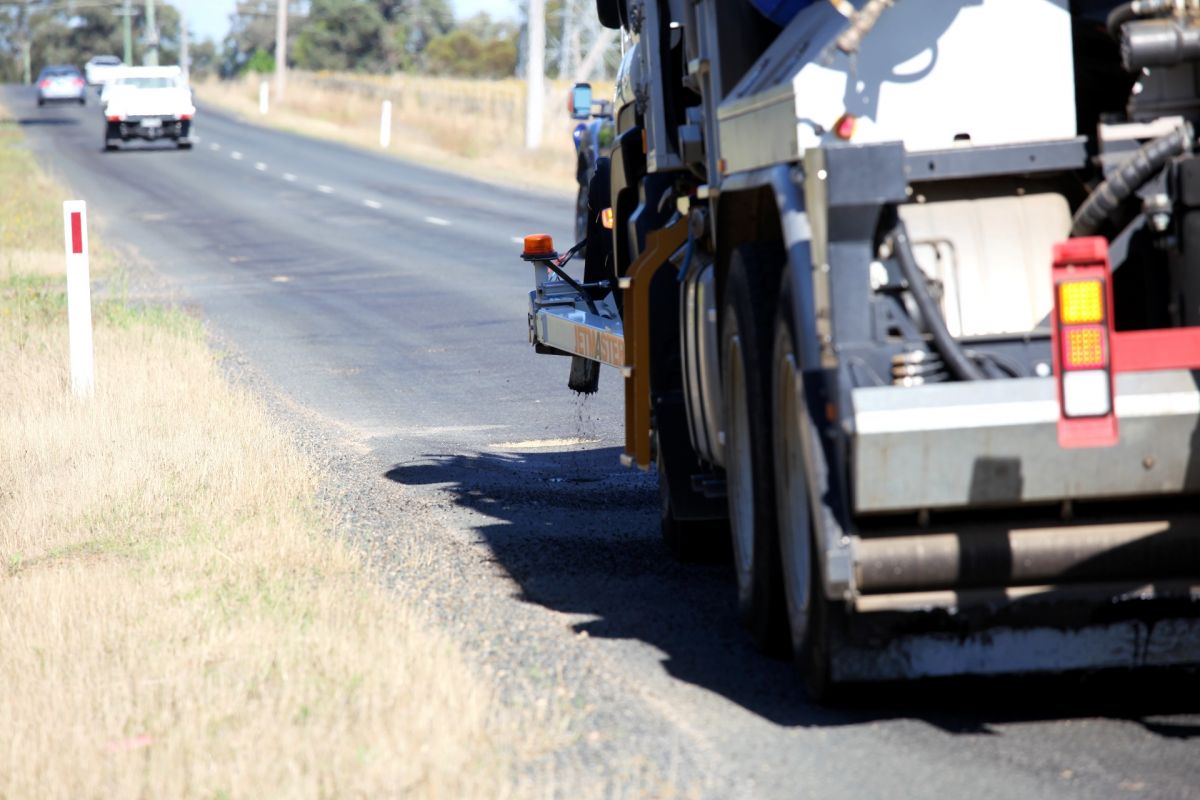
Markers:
781,12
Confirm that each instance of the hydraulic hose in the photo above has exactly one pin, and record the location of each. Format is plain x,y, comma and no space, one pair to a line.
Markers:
1147,162
861,24
952,353
1138,9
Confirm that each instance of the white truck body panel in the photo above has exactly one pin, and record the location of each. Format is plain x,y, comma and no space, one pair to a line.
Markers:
934,73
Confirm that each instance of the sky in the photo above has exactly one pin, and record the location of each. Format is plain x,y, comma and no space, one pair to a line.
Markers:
210,18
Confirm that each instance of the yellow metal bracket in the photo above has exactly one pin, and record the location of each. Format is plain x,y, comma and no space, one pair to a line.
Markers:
660,245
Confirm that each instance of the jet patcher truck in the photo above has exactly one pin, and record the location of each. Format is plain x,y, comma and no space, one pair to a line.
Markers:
905,298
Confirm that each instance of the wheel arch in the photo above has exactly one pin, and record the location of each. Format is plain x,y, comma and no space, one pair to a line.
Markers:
764,205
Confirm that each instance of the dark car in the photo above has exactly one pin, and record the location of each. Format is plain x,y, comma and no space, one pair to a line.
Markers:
593,136
61,83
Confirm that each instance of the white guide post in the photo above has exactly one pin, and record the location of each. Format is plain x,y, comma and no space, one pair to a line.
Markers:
385,125
79,297
264,92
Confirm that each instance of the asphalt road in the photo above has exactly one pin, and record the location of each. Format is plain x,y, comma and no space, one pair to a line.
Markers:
379,307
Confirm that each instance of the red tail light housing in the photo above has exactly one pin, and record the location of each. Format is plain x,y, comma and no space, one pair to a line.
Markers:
1082,343
44,84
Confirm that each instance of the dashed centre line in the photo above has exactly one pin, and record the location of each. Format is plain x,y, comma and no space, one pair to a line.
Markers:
437,221
236,156
323,189
289,177
375,204
260,166
214,147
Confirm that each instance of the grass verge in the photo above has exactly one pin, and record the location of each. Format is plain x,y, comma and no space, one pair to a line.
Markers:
474,128
173,622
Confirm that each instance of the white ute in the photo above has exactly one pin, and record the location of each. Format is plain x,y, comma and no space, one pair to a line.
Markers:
147,103
101,69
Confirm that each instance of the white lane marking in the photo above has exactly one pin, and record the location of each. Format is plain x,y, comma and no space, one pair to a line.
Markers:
437,221
281,279
196,139
260,166
289,177
375,204
214,147
235,155
323,189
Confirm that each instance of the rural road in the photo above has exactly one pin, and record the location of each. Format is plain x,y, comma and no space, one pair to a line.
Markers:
380,308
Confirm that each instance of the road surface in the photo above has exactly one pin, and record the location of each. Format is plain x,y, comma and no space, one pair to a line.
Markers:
380,308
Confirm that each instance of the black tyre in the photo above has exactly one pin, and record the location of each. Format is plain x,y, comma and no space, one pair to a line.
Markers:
689,533
610,12
41,102
811,615
184,145
746,332
581,217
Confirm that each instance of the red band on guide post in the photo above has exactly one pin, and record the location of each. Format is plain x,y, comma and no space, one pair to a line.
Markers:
76,233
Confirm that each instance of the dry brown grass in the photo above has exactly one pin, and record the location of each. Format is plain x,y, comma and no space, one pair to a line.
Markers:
472,127
172,621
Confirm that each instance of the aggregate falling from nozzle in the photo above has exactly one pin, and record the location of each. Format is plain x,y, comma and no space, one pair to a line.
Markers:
585,375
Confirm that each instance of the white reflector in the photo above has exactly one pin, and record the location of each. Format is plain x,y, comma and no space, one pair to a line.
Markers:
1085,393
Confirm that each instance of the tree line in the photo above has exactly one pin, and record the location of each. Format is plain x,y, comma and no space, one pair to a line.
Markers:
374,36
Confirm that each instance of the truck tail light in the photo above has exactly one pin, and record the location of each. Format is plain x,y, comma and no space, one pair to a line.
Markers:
44,84
114,117
1082,334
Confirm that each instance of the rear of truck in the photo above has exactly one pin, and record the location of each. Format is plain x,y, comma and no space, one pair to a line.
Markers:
907,291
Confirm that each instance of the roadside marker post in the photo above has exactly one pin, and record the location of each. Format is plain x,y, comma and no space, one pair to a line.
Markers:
79,297
385,125
264,94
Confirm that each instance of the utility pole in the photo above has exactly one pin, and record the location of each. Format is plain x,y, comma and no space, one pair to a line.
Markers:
535,75
185,54
151,57
127,30
568,44
25,31
281,34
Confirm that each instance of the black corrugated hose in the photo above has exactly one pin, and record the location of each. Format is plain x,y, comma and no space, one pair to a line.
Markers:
957,361
1138,9
1147,162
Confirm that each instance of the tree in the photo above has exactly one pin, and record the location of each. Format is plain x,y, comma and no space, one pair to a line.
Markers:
479,48
204,59
251,28
62,33
344,35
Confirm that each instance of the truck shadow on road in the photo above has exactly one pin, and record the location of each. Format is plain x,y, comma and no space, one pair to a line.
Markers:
579,535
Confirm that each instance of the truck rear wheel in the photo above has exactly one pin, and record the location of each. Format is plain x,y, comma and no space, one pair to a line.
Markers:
693,527
746,328
810,613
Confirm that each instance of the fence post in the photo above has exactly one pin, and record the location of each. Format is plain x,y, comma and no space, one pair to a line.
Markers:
79,297
385,125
